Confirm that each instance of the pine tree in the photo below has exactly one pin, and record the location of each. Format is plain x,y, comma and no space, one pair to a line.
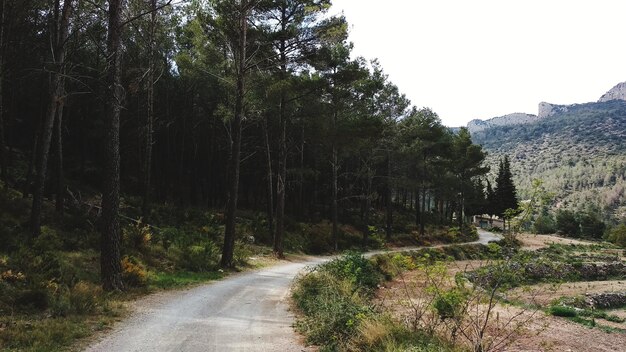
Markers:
490,195
505,194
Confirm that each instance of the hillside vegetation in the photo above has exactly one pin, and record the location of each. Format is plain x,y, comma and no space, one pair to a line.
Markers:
580,155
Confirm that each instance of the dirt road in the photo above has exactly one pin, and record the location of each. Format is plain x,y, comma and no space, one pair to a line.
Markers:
245,312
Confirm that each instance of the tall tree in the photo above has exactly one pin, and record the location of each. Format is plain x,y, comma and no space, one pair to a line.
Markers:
490,200
296,28
110,260
375,113
339,74
239,13
466,164
3,149
149,113
59,33
425,143
505,194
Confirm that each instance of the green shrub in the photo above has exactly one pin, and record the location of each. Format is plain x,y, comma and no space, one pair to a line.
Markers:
84,296
241,254
494,249
60,305
137,235
614,318
567,223
448,304
200,257
544,224
356,269
451,236
133,272
591,226
470,233
617,235
332,307
563,311
47,241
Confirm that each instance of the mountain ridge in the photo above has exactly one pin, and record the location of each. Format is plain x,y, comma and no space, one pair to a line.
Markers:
544,110
578,150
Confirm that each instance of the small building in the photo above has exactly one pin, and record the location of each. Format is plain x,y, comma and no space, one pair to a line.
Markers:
485,221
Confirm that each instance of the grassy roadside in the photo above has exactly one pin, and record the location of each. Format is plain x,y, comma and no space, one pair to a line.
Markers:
341,306
50,294
335,301
57,317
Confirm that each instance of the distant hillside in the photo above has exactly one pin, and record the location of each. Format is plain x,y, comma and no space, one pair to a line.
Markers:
506,120
616,93
578,150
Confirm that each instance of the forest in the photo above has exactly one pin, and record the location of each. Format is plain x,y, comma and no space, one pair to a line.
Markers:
155,144
119,114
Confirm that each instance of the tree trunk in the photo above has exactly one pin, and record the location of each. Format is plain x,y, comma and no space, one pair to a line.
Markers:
60,178
418,215
27,188
301,207
4,172
281,179
270,181
147,161
235,154
461,209
281,183
404,193
368,205
57,91
333,209
110,261
423,222
389,217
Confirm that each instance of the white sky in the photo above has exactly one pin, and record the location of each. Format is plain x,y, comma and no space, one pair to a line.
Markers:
469,59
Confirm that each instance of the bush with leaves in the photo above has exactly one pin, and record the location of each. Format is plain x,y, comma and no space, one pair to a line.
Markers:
591,225
355,268
333,300
137,236
567,223
133,272
544,224
617,235
200,257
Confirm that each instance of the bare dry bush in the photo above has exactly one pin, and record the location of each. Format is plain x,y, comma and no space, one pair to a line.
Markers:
439,300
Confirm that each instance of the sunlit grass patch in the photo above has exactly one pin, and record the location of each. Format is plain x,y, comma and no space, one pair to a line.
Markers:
164,280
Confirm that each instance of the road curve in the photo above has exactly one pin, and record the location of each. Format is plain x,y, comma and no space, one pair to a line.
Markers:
245,312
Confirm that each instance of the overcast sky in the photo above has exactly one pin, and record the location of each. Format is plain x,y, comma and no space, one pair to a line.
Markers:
486,58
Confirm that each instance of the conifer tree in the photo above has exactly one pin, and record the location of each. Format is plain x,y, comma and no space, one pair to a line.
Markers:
505,194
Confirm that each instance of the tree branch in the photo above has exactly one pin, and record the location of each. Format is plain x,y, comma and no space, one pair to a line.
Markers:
146,13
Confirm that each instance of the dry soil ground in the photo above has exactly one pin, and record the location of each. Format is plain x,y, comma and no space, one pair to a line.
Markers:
541,332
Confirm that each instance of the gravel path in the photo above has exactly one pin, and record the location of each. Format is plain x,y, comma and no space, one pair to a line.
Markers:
245,312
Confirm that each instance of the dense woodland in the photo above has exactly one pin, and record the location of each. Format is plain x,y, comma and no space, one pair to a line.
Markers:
124,107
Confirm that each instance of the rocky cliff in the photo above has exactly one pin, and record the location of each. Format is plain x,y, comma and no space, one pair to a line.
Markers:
616,93
544,110
547,109
506,120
